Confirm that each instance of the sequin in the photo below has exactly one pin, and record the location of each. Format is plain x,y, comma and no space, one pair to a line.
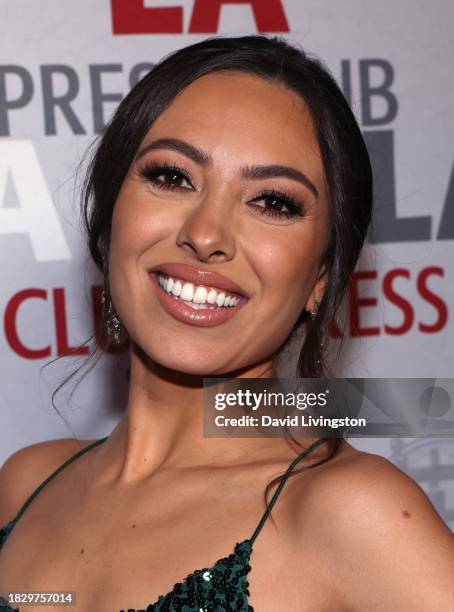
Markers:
220,588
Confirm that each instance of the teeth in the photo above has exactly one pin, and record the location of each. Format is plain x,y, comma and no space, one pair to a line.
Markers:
187,292
196,297
211,297
220,299
198,306
176,289
200,295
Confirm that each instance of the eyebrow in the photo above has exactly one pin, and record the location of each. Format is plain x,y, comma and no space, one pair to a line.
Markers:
248,172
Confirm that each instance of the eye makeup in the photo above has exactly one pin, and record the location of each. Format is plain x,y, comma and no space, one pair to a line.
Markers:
170,177
152,171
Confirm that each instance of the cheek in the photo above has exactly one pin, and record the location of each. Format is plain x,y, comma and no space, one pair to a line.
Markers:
137,223
286,265
137,226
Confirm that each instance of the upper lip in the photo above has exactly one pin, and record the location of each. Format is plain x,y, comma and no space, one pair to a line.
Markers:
208,278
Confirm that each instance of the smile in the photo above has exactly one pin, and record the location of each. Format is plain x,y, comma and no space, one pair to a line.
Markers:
197,296
199,305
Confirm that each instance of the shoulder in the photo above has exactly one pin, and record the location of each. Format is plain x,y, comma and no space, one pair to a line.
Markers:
379,530
361,478
27,468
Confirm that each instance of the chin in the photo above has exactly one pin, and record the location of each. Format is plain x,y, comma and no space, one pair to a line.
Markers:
201,369
195,362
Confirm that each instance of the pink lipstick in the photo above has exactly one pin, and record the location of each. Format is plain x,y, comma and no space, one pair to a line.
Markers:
211,311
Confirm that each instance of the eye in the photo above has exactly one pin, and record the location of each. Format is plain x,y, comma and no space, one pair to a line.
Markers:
166,177
279,205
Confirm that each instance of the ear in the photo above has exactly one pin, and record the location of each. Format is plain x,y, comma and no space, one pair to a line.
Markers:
318,290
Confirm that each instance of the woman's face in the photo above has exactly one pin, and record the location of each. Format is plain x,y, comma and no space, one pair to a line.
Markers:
245,197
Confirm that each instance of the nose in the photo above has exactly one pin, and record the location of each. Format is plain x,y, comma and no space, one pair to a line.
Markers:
207,231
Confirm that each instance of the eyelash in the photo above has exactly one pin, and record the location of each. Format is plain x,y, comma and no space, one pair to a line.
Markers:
153,170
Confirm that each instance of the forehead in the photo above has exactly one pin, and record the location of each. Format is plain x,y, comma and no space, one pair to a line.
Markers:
237,113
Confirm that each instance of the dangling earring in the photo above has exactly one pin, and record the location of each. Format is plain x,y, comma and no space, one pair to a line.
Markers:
314,312
112,321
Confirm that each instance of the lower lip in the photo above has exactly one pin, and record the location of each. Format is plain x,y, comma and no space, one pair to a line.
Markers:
200,318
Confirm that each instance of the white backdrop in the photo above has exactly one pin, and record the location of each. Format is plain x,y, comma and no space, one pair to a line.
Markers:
64,66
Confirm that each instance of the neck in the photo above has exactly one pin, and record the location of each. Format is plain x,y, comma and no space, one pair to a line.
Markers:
163,422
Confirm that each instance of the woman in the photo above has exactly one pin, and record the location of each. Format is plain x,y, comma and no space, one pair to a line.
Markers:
237,166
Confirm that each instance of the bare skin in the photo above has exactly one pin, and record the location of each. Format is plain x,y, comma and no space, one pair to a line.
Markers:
126,521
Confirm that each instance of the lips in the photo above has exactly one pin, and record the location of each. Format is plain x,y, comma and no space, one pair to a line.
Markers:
208,278
183,311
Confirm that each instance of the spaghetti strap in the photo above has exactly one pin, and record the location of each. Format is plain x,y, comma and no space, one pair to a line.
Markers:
9,526
281,484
